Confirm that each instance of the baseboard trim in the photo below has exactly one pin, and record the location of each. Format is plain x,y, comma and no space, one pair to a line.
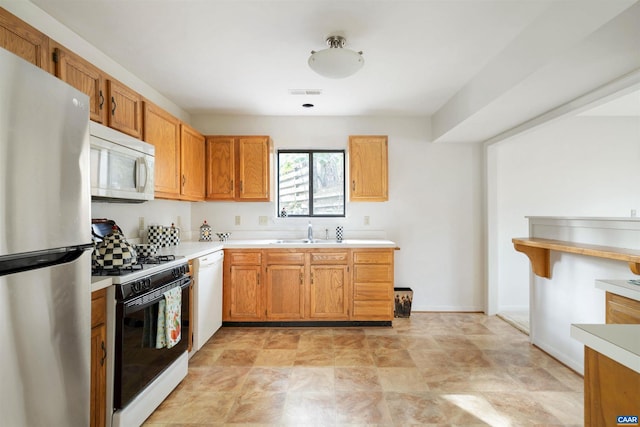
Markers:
327,323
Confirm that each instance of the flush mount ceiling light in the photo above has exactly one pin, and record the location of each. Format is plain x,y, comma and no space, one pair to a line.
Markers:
336,62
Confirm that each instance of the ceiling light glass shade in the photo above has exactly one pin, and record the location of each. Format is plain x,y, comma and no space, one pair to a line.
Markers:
336,62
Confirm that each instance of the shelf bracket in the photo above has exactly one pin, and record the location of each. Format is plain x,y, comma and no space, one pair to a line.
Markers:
539,258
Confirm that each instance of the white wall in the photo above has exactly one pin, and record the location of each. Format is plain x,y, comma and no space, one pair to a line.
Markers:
579,166
433,212
43,22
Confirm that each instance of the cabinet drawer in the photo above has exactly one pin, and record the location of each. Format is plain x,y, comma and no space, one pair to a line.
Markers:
379,310
361,257
245,258
329,257
98,307
622,310
373,273
373,291
289,258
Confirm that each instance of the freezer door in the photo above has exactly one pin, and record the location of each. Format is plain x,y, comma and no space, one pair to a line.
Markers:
45,199
45,336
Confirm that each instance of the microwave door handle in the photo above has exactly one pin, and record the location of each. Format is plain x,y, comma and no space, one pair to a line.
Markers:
142,174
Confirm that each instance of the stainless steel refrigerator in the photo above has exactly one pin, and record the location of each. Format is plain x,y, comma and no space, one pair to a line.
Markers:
45,237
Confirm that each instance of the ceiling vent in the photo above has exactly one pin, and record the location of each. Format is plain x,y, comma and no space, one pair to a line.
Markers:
305,91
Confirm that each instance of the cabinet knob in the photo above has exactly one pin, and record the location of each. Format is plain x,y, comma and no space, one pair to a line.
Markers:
113,106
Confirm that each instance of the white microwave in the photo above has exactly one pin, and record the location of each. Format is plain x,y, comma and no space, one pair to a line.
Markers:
122,167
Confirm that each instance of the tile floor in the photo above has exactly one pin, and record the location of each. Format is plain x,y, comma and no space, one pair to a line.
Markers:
430,369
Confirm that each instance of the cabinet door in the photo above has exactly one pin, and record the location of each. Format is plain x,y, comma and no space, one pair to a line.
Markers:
125,109
98,376
368,168
329,296
253,166
163,131
82,75
98,393
192,159
285,292
245,292
220,168
22,39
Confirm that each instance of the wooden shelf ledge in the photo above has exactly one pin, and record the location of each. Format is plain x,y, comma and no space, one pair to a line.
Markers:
538,252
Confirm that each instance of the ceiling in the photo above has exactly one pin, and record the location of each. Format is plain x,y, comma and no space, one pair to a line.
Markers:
422,57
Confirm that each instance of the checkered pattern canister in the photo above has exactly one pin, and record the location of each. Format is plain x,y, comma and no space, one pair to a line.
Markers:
339,233
156,235
172,235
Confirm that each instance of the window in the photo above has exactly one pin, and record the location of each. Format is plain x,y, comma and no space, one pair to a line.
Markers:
311,182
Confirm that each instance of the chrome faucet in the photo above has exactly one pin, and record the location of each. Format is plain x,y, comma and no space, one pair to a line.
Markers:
310,232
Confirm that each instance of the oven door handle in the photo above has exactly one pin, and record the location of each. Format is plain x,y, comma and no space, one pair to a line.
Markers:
139,303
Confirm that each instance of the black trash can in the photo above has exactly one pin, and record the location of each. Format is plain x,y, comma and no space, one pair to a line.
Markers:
402,302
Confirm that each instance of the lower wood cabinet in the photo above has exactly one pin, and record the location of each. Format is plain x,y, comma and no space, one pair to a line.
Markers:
242,296
329,285
622,310
610,390
373,284
308,285
98,358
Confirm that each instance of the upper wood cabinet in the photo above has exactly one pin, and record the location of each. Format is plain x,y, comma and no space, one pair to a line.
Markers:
23,40
163,131
368,168
125,109
238,168
221,168
192,159
180,155
85,77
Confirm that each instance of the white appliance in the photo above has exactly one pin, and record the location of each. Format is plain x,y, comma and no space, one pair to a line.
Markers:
207,297
122,167
45,249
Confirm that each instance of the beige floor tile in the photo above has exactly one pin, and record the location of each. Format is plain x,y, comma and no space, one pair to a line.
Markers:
432,369
275,357
402,379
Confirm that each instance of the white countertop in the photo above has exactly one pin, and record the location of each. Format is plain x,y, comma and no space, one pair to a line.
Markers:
191,250
620,287
618,342
100,282
296,243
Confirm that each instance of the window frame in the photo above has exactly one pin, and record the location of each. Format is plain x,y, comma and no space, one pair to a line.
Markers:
310,152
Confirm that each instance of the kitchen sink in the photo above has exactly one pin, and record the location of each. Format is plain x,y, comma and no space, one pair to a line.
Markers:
303,241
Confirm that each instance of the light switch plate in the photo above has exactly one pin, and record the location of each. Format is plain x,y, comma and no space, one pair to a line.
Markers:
263,220
237,219
366,220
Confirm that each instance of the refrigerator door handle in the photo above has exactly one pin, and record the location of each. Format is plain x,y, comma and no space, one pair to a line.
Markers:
16,263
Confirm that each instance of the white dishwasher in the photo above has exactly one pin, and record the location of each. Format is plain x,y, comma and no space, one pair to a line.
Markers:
207,307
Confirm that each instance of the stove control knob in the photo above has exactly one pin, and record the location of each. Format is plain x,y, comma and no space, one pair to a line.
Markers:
146,284
135,286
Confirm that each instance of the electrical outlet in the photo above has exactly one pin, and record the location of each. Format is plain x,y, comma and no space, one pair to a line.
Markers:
237,219
366,220
262,220
633,213
141,223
